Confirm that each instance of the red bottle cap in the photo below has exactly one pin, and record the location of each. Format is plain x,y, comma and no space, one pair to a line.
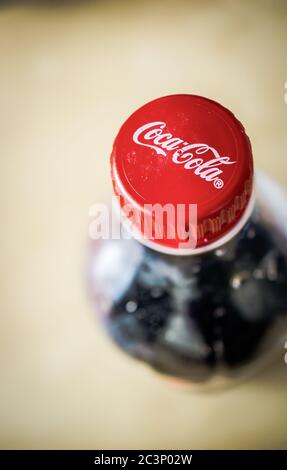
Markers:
183,149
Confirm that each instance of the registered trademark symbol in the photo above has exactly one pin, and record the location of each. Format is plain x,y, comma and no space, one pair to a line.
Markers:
218,183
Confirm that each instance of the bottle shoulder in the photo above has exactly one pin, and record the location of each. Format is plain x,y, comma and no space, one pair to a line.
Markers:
256,256
115,265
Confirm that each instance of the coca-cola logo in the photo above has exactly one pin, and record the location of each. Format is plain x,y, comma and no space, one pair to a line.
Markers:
201,158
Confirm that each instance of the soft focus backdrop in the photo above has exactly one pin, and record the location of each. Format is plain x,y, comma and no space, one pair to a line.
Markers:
70,73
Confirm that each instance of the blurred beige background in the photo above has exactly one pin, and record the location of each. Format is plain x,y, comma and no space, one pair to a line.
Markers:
69,75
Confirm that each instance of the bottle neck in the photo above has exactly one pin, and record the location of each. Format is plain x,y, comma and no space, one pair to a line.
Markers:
135,233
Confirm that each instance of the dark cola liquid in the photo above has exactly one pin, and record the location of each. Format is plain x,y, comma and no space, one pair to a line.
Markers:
193,317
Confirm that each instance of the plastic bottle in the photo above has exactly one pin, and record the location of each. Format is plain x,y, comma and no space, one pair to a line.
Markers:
208,307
